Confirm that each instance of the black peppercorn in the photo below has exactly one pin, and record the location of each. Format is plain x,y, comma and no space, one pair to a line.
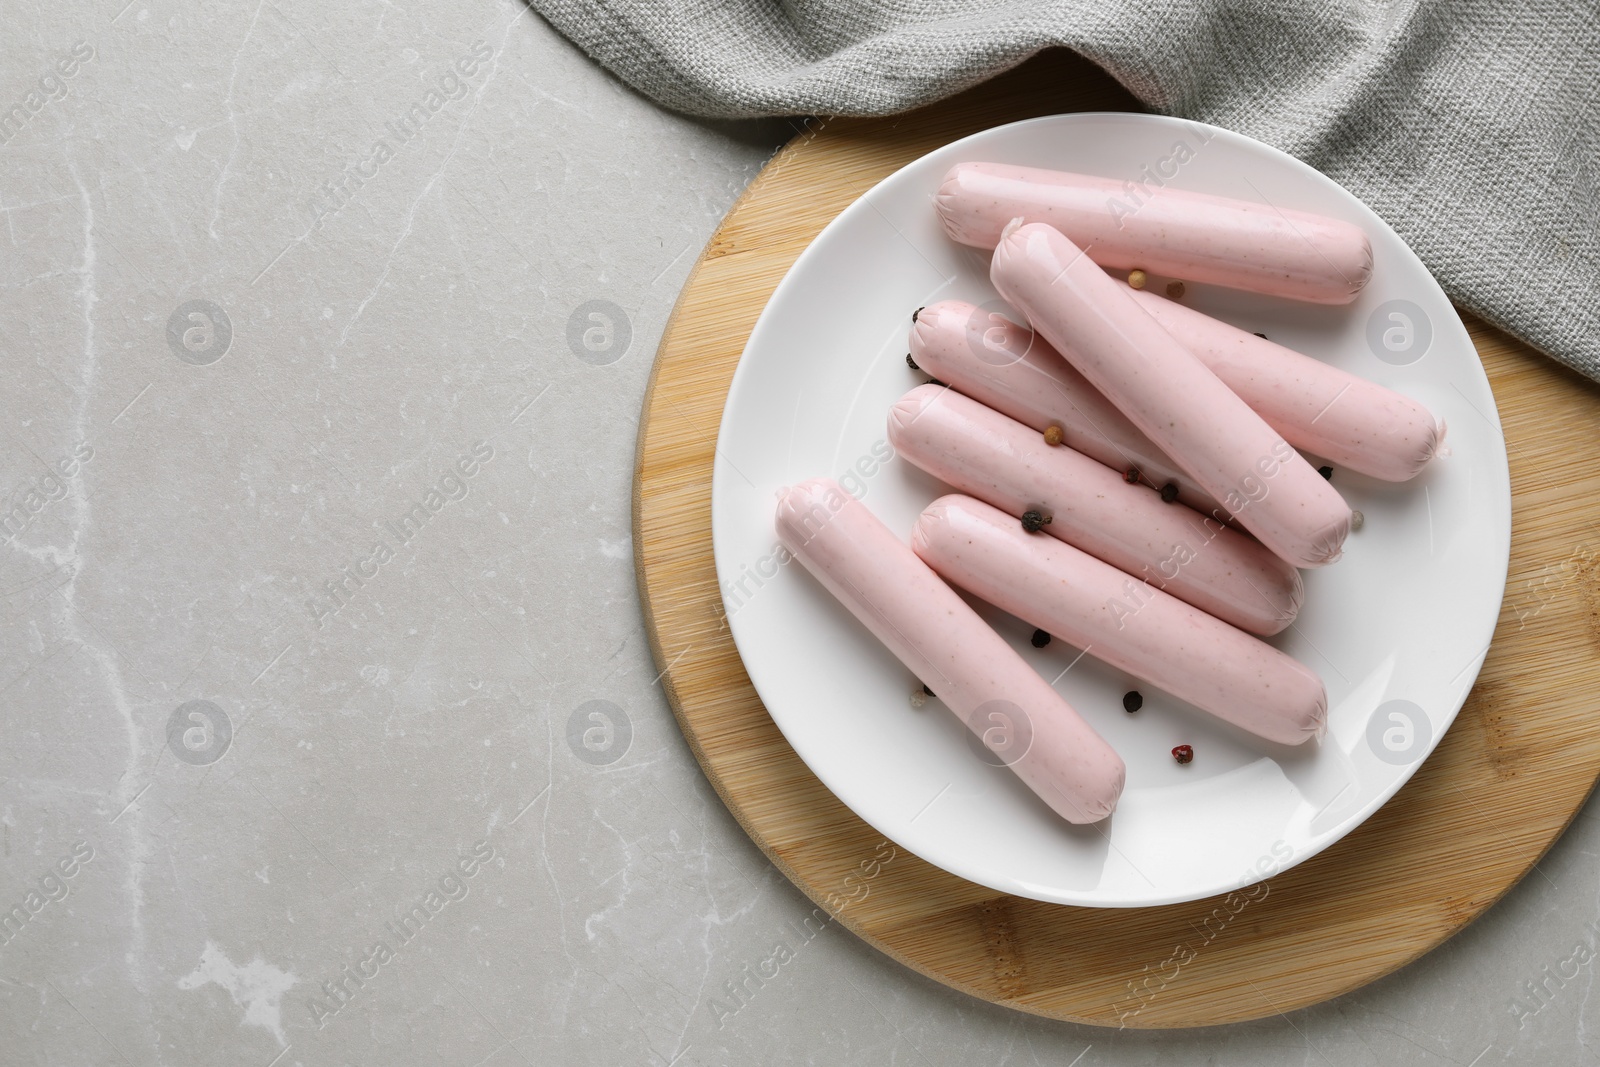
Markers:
1040,639
1034,520
1169,493
1132,701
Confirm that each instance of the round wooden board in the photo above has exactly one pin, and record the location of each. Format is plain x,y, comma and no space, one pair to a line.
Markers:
1502,785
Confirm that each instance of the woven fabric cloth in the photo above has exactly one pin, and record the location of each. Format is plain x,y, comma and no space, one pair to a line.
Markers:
1472,126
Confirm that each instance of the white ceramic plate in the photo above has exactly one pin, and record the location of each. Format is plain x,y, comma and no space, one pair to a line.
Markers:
1397,629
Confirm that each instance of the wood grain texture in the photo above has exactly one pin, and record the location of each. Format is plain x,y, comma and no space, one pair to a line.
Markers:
1507,778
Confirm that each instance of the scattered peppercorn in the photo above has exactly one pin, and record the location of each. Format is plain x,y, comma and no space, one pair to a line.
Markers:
1169,493
917,312
1262,336
1034,520
1183,753
1357,520
935,381
1040,639
1052,435
911,362
1137,278
1326,472
1131,475
1175,290
928,691
1132,701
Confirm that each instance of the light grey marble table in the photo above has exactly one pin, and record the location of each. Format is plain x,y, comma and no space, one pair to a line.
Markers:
325,334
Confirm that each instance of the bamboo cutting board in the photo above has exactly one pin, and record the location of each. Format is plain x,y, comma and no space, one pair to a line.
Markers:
1507,778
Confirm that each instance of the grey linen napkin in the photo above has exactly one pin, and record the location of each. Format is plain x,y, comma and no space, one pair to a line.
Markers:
1470,125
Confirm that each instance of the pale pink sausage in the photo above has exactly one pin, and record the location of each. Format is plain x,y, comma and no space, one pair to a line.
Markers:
1201,238
931,630
1095,607
1003,365
1174,548
1340,416
1170,395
